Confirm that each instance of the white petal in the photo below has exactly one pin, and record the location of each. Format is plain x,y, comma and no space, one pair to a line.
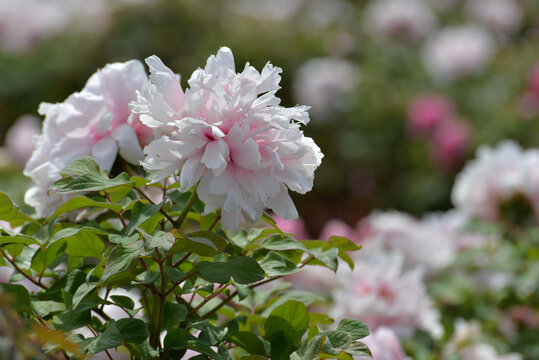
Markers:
283,205
166,82
128,144
105,152
213,157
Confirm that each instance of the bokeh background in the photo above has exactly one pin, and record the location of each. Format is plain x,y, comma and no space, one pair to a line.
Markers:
359,64
403,92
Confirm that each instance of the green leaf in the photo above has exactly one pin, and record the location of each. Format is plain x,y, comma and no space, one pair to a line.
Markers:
310,350
79,202
81,166
122,258
71,320
325,256
279,243
140,213
355,328
274,264
243,269
160,240
205,243
287,323
133,331
46,308
108,339
174,314
210,334
75,230
21,296
178,339
81,293
10,213
89,182
249,342
124,301
18,239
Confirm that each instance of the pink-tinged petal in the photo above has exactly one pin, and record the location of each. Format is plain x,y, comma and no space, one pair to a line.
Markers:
283,205
128,144
166,82
104,152
213,157
192,171
222,61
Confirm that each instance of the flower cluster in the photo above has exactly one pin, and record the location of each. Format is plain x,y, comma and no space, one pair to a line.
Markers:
229,135
96,122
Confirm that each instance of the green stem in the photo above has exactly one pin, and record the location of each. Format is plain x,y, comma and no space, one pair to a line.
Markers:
187,207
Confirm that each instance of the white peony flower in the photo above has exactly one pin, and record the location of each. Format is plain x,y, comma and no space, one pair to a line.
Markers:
428,243
327,84
384,345
408,20
457,51
229,134
95,122
503,16
496,176
380,292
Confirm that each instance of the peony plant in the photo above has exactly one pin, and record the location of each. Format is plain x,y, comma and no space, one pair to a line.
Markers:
151,238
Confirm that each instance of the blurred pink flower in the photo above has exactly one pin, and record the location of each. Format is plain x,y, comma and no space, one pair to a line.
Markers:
19,138
503,16
427,111
458,51
497,175
95,122
231,137
384,345
380,292
533,81
408,20
293,226
450,142
337,227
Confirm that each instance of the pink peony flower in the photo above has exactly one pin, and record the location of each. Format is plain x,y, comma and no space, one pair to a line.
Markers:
496,176
229,134
503,16
458,51
450,142
409,20
384,345
427,111
428,244
95,122
380,292
19,138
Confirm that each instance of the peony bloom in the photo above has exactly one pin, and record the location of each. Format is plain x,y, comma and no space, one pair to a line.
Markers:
228,134
19,138
380,292
503,16
498,182
384,345
327,84
95,122
426,244
427,111
409,20
457,51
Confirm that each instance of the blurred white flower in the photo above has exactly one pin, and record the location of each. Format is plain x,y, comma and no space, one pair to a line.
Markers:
503,16
230,135
496,176
384,345
408,20
380,292
485,352
428,244
19,138
326,84
95,122
457,51
337,227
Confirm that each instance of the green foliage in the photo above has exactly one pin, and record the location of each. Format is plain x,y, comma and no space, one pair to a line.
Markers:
180,271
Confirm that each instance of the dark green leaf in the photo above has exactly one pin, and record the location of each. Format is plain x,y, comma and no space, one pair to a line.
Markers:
205,243
243,269
140,213
83,291
249,342
274,264
173,315
289,322
79,202
124,301
122,258
355,328
279,243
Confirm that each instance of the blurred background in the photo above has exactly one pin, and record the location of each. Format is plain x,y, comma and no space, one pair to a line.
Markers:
402,92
